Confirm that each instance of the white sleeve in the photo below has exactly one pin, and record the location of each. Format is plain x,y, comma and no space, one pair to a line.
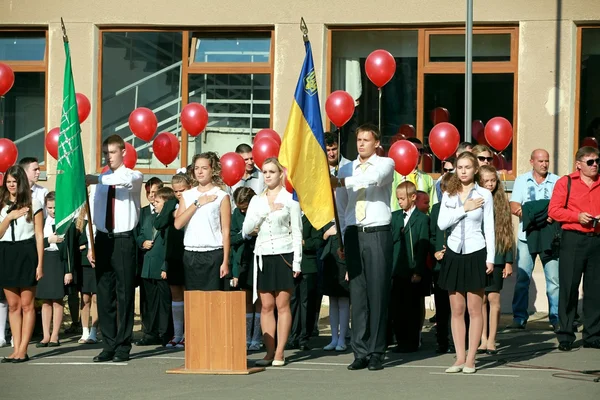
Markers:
488,227
123,178
296,222
449,216
382,175
254,216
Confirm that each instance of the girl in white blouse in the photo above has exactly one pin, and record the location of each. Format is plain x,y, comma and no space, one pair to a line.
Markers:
21,257
205,214
467,211
277,255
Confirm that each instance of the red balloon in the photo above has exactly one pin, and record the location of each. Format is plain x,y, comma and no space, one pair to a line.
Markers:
288,184
194,118
52,142
380,67
439,114
477,128
270,133
444,140
427,163
166,147
498,133
7,78
233,168
398,136
8,154
380,151
405,156
1,179
339,107
83,107
263,149
407,131
131,156
143,123
499,161
589,141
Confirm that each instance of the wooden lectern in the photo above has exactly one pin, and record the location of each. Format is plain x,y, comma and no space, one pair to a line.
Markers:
215,334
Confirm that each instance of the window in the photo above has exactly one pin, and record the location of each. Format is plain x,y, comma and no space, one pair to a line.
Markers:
588,85
229,73
430,68
23,108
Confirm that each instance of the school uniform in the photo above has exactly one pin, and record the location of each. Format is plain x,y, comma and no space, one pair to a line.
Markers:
146,217
158,294
334,270
173,242
304,297
471,242
410,234
440,296
88,276
203,242
18,250
241,251
496,281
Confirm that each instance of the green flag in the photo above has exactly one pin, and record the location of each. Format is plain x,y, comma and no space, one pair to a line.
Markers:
71,191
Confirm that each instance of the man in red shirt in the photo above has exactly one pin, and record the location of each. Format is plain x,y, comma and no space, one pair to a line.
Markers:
578,209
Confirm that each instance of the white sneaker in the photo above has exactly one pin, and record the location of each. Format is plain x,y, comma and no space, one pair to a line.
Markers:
3,343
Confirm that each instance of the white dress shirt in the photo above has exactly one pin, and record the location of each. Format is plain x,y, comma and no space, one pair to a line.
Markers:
407,214
467,236
255,181
203,230
39,193
280,232
377,178
20,229
48,231
335,169
128,189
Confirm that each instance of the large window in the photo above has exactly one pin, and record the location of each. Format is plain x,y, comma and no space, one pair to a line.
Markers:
588,125
23,108
430,68
229,73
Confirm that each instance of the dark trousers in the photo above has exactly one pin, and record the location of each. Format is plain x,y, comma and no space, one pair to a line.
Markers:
302,305
405,312
158,308
369,262
579,256
442,313
115,278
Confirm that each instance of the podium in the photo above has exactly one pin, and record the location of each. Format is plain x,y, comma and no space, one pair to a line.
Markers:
215,334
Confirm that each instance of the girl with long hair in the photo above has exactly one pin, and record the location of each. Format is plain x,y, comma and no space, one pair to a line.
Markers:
467,210
205,214
21,257
277,220
503,232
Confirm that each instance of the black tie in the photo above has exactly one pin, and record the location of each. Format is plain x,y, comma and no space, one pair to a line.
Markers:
110,206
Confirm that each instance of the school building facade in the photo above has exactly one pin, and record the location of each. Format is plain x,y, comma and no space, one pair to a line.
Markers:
536,63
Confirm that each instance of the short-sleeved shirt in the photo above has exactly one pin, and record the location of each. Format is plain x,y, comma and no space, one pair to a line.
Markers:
527,189
203,230
20,229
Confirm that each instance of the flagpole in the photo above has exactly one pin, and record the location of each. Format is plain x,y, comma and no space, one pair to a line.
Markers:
304,30
90,227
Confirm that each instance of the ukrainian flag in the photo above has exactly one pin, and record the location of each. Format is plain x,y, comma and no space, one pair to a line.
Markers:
303,149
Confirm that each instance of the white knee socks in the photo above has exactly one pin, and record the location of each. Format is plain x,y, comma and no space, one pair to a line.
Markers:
344,309
177,307
3,316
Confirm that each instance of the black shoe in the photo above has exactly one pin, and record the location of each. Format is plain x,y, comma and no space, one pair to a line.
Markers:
441,349
121,358
148,341
304,347
433,319
41,344
359,363
53,344
104,356
375,364
6,360
291,346
565,346
20,360
481,351
592,345
516,326
491,352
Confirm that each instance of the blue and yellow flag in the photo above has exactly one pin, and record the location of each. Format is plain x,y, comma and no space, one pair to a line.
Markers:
303,149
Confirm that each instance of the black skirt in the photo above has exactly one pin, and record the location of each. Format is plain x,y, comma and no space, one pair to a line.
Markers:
334,277
202,270
276,274
496,280
463,272
52,286
88,280
175,275
18,262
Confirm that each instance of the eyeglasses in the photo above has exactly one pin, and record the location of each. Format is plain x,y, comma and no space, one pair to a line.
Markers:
591,162
488,159
448,169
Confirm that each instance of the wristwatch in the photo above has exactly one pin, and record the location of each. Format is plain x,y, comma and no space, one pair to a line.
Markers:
196,203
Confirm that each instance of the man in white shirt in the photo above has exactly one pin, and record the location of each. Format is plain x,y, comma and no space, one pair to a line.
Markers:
32,169
333,157
117,193
363,200
253,177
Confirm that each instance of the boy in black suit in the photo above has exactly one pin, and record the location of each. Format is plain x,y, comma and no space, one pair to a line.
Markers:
410,233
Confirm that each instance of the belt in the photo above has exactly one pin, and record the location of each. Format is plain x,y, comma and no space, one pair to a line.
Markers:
590,234
372,229
112,235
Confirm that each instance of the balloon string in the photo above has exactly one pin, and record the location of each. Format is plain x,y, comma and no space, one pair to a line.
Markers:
339,154
380,96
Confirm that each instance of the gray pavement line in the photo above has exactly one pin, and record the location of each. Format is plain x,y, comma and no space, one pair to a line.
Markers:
418,366
477,374
113,364
297,369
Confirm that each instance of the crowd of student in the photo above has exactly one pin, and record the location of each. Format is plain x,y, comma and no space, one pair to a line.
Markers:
405,237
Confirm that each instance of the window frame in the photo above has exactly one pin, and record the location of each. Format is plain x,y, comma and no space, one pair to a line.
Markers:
34,66
577,103
189,67
425,66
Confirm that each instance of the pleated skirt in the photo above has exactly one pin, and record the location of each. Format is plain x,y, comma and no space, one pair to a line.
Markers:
276,274
52,284
464,272
18,261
